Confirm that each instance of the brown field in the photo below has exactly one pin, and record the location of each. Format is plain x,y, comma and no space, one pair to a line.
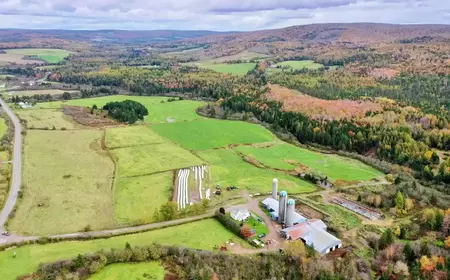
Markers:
83,116
318,108
9,58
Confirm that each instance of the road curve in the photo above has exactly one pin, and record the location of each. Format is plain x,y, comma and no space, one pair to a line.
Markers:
17,167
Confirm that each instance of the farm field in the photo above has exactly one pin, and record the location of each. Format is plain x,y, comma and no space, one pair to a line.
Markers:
3,127
176,111
286,156
227,169
210,133
308,64
134,271
46,119
145,160
5,173
203,234
239,69
39,92
12,58
49,55
137,198
67,183
131,136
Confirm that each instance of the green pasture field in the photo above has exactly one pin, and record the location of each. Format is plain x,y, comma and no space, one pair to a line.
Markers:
39,92
5,173
239,69
145,160
137,198
49,55
333,166
228,169
128,136
131,271
207,134
177,111
46,119
67,182
295,64
203,234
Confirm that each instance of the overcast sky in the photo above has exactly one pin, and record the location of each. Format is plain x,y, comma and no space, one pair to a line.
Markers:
218,15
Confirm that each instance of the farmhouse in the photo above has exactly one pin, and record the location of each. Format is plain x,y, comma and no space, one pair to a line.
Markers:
240,214
312,232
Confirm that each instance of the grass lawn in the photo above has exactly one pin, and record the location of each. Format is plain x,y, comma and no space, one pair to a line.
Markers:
208,134
334,166
46,119
294,64
131,271
342,218
137,198
239,69
203,234
128,136
145,160
229,169
177,111
49,55
258,226
3,127
67,183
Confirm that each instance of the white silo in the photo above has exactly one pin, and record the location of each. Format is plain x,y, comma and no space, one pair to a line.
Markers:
290,211
275,188
282,207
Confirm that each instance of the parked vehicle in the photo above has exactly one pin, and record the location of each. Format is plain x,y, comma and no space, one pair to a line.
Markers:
262,235
5,233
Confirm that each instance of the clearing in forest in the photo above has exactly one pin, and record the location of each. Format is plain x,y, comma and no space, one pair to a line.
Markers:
146,160
239,69
203,234
48,55
127,271
137,198
46,119
209,134
67,181
128,136
285,156
160,110
301,64
228,169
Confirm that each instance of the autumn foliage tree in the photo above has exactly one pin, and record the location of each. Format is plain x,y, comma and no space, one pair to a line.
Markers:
246,231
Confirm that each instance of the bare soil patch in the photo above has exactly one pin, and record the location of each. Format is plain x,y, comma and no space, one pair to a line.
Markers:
83,116
308,211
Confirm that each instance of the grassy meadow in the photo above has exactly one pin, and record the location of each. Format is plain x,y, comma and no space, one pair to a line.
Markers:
177,111
3,127
46,119
239,69
49,55
137,198
227,169
203,234
67,182
128,136
285,156
145,160
39,92
131,271
301,64
210,133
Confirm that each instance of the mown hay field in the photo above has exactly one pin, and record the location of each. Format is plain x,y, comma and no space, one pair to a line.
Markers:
67,181
239,69
203,234
160,110
145,160
48,55
209,134
228,169
301,64
137,198
131,271
128,136
286,157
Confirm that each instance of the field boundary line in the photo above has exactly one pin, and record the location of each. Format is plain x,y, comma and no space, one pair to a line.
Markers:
132,146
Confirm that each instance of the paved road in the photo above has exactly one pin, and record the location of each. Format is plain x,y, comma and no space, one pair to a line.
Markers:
17,166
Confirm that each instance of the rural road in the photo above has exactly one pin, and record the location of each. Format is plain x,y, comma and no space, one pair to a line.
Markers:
17,167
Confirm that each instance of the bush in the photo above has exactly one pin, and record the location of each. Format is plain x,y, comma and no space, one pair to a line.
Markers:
126,111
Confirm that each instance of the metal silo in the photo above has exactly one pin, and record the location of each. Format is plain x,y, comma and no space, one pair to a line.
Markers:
290,211
275,188
282,207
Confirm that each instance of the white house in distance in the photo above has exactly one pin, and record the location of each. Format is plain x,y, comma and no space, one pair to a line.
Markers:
240,214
